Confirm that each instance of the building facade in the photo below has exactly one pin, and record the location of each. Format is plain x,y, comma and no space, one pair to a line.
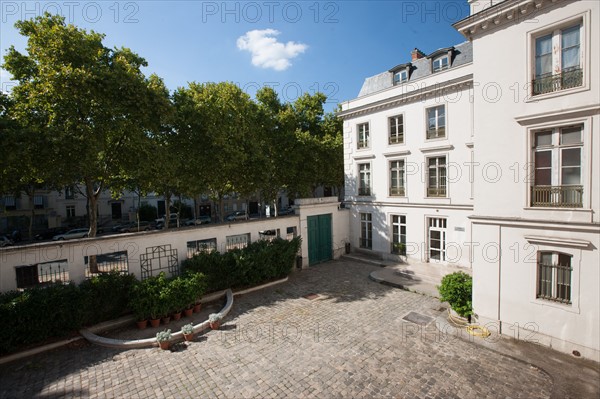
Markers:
485,156
536,133
408,145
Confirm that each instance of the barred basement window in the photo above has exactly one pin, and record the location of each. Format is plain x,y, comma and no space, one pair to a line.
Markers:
554,274
199,246
42,274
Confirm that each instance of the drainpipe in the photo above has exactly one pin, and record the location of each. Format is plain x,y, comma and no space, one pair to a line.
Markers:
499,276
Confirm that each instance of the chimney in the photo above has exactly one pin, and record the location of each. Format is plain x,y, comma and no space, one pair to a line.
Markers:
416,54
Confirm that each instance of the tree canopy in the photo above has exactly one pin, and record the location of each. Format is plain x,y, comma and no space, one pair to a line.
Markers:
86,114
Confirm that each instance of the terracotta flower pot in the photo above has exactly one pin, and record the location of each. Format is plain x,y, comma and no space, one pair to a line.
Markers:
142,324
164,345
188,337
188,312
215,325
166,320
154,322
176,316
197,307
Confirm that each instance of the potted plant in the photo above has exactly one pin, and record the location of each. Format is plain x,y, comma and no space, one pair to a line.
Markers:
166,303
214,319
198,286
457,290
188,332
180,296
164,339
139,305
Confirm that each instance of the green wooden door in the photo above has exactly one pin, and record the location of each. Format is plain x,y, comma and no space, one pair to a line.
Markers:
319,239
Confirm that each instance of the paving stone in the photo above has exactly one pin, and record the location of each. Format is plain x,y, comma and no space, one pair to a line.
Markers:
350,341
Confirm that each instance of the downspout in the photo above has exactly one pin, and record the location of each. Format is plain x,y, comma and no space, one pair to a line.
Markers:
499,276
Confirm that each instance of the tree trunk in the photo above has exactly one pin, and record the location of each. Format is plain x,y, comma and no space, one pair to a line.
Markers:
221,215
167,210
32,205
92,196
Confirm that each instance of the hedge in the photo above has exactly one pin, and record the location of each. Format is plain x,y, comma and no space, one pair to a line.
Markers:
58,310
259,262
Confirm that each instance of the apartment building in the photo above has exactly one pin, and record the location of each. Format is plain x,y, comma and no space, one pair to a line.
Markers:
408,147
536,260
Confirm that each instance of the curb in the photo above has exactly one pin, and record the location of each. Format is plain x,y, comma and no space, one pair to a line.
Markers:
398,285
149,342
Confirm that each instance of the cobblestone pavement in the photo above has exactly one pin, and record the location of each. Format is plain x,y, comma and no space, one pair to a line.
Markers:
349,342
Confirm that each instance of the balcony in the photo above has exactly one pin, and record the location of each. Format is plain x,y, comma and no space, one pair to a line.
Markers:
438,133
436,191
364,191
562,81
557,196
396,191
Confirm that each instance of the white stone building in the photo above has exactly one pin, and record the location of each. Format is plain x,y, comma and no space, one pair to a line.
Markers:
485,156
536,264
408,145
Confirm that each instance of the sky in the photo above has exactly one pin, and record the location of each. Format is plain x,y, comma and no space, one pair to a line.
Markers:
293,46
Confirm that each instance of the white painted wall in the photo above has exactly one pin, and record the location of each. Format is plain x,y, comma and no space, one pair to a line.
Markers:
339,219
416,149
505,273
74,251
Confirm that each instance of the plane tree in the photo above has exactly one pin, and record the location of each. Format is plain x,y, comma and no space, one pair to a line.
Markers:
90,103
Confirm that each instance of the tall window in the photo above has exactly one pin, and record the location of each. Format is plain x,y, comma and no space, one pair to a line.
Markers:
70,211
366,231
557,163
38,202
437,239
396,129
440,63
363,135
436,122
364,181
69,192
561,69
10,203
397,178
436,177
399,234
554,276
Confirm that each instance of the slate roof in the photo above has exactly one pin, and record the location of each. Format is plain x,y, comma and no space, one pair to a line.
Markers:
420,68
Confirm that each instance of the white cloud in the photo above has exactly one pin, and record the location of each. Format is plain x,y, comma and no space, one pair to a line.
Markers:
5,76
267,52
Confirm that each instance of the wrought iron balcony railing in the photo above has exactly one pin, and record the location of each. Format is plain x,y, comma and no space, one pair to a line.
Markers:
436,191
561,81
397,191
436,133
557,196
364,191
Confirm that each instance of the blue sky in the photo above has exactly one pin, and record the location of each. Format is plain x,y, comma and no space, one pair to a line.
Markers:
293,46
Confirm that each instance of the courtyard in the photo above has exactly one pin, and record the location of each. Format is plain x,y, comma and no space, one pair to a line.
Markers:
328,332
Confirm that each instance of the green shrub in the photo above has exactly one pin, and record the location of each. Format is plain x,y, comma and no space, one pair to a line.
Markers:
105,296
457,290
257,263
148,213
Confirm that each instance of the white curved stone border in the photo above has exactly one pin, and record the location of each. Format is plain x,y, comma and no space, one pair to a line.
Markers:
141,343
144,343
148,342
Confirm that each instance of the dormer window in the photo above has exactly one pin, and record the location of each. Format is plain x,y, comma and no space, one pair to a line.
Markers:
441,63
401,76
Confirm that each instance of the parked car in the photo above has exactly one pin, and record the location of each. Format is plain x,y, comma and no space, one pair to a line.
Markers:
205,219
49,233
71,234
239,215
172,218
133,226
285,211
5,241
